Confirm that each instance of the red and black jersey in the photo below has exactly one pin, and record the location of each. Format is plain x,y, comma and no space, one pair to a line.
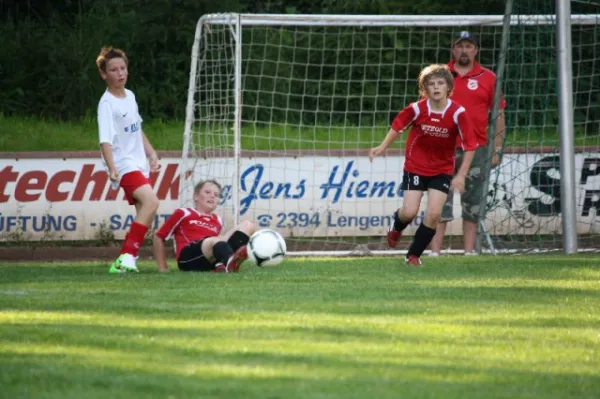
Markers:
188,225
475,92
431,144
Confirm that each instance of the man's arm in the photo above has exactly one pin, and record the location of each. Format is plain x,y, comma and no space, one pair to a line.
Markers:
499,139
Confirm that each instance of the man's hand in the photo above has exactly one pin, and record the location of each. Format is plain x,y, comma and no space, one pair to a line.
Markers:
496,158
458,184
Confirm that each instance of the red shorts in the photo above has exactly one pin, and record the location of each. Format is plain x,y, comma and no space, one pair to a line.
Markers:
132,181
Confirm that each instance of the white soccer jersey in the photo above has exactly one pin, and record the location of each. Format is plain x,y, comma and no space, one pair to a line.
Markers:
120,125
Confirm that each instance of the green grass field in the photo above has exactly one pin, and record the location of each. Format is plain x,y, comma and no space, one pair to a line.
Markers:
478,327
34,134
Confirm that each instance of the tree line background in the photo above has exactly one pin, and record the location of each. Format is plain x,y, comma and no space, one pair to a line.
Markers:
47,62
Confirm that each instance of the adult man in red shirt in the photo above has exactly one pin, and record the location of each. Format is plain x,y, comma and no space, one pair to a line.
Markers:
474,88
200,244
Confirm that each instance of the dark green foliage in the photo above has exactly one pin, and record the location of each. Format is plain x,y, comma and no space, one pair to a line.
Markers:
47,62
49,47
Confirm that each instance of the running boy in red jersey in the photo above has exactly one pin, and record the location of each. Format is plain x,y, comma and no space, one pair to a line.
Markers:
437,123
199,244
126,152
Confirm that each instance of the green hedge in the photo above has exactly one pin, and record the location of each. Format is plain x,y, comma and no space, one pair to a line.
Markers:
49,47
47,62
48,50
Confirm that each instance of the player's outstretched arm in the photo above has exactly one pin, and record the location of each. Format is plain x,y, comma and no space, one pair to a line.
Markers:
401,122
391,136
158,248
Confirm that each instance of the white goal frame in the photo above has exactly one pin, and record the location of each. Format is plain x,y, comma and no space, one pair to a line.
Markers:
236,22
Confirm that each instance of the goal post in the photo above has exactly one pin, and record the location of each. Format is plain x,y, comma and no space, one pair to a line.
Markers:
282,110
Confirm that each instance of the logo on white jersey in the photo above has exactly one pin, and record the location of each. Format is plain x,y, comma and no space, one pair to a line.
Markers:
134,127
472,84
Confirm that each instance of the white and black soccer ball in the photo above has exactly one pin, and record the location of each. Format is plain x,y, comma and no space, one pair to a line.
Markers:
266,248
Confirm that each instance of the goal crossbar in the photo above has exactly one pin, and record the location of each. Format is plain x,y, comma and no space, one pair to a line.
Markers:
390,20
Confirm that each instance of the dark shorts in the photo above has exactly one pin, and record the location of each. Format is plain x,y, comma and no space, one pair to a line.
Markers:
471,198
412,181
191,259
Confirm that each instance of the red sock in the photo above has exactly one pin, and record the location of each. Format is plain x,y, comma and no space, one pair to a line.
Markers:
134,239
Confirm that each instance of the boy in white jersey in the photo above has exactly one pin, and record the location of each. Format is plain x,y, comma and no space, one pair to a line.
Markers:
128,155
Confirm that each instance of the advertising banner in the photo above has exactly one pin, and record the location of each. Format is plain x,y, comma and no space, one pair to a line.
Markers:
71,198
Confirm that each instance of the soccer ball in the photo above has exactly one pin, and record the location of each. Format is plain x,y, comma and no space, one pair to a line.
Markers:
266,248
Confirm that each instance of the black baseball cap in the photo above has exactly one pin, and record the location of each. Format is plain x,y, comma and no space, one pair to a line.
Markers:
464,35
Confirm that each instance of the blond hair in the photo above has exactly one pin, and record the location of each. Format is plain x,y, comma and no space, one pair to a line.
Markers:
435,71
107,54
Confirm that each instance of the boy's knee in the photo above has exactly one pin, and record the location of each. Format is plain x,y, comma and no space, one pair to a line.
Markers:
407,215
471,213
151,203
248,227
432,220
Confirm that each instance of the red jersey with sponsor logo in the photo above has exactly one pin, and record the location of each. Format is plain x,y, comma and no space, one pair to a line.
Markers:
188,225
430,146
475,92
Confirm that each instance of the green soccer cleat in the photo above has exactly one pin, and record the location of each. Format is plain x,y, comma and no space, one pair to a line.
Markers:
124,263
115,269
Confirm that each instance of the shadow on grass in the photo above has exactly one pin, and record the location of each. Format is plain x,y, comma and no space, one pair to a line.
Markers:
76,376
284,329
188,298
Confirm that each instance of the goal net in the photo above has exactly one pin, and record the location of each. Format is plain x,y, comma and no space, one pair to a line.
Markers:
282,110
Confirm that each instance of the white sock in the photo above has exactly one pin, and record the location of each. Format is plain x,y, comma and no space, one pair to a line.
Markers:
128,260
